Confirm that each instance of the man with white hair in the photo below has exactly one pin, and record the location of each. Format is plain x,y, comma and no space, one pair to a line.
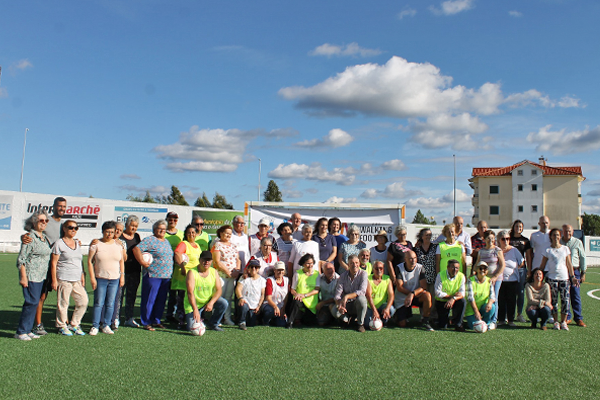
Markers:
327,281
579,266
240,239
296,221
540,241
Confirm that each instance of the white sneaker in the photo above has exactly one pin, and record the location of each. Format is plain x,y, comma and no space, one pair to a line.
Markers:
107,330
33,335
22,336
564,326
93,331
551,320
132,323
557,326
491,326
521,318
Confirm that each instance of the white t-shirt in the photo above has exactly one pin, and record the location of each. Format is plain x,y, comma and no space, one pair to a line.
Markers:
411,280
539,243
556,266
284,249
252,290
69,267
327,289
378,256
512,260
241,241
301,248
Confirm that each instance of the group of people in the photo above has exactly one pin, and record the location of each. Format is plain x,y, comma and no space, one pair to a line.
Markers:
306,276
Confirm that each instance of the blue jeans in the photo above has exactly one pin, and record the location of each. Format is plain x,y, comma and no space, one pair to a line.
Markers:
247,315
369,314
269,314
521,294
542,313
104,295
497,291
486,316
217,313
31,294
576,299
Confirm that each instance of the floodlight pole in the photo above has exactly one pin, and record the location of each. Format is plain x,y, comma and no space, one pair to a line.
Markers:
454,156
23,160
259,171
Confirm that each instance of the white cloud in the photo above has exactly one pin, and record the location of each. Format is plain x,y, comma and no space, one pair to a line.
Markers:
395,190
213,150
460,197
129,176
516,14
533,97
312,190
426,203
455,131
595,192
569,102
20,65
407,12
591,206
398,89
394,165
153,190
336,199
352,49
292,194
335,138
562,142
314,172
452,7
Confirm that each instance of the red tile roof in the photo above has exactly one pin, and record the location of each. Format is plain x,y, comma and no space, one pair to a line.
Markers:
505,171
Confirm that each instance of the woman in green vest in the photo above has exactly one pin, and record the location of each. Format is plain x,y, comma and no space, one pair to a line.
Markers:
305,293
481,297
450,249
381,299
189,248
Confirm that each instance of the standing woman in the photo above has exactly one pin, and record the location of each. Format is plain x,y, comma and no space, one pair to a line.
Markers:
115,322
226,260
524,246
107,270
396,251
68,280
379,252
302,247
327,243
157,275
33,261
450,249
133,269
509,289
335,228
493,256
350,248
425,250
559,275
192,250
284,242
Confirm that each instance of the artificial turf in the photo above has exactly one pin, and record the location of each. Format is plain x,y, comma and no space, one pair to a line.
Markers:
310,363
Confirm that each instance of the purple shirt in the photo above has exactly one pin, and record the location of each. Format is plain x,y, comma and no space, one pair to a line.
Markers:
345,285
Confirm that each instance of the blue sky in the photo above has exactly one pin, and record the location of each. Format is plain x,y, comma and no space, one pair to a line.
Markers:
350,101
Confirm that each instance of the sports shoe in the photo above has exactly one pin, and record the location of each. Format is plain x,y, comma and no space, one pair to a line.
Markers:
361,329
227,322
93,331
33,335
243,326
117,323
22,336
106,329
512,324
492,326
564,326
216,328
427,327
39,330
581,324
557,326
551,320
76,330
132,323
65,332
521,318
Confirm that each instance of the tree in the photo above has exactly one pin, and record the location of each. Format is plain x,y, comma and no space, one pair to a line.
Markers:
176,197
591,224
219,201
203,201
272,193
422,219
146,199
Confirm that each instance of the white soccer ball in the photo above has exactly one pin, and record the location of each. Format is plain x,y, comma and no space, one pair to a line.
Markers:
376,324
185,258
147,257
198,328
480,327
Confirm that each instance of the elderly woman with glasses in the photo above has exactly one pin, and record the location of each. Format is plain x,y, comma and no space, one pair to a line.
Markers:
350,248
266,257
133,269
397,250
33,262
157,275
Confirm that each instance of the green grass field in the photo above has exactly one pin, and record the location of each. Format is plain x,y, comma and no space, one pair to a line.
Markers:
312,363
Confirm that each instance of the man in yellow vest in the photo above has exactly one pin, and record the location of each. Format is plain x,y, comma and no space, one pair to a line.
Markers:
450,295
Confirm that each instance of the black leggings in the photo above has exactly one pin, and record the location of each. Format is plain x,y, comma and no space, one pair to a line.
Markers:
507,301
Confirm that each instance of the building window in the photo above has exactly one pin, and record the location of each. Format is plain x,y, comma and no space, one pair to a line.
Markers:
520,188
520,208
494,189
519,172
534,187
494,210
534,208
534,172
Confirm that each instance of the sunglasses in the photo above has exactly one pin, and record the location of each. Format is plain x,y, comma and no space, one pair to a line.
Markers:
73,228
43,221
199,224
505,239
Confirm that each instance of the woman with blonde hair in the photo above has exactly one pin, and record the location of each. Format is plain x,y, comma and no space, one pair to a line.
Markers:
450,249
